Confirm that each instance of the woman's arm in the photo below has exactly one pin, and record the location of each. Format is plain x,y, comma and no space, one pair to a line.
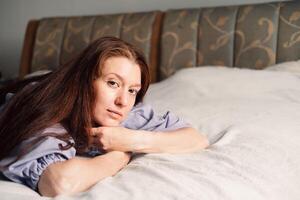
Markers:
183,140
79,174
122,139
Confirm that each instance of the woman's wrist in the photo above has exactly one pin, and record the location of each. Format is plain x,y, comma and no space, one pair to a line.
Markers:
143,141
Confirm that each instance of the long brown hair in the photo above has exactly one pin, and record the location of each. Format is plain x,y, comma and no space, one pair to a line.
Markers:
65,96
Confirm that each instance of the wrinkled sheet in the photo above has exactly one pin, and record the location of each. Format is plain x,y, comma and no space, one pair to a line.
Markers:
252,120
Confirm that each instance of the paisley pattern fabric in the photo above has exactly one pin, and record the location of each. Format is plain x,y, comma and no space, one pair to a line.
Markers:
178,41
77,37
47,46
256,36
135,30
248,36
107,25
289,32
59,39
216,36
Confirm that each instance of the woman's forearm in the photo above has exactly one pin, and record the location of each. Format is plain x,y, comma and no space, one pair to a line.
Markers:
79,174
179,141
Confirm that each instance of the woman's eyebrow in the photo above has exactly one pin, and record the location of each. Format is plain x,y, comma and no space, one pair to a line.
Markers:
122,79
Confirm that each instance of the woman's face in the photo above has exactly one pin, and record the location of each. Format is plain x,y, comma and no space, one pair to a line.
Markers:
116,90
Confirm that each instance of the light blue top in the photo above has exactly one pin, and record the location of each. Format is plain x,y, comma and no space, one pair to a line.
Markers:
28,169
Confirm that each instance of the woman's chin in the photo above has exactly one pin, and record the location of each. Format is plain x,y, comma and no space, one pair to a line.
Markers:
110,123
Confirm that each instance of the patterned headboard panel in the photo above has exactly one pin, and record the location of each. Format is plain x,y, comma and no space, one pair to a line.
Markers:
248,36
252,36
58,39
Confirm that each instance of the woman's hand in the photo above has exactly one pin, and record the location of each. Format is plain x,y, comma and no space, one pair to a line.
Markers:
113,138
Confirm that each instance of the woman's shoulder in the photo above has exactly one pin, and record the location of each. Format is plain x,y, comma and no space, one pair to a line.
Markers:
138,115
141,110
47,139
40,145
143,116
48,136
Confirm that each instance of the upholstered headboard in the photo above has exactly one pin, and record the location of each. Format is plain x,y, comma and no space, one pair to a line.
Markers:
49,42
250,36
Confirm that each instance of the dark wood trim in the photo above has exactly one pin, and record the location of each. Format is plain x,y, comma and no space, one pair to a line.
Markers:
154,49
28,45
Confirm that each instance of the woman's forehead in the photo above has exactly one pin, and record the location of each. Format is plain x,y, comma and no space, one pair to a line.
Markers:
123,68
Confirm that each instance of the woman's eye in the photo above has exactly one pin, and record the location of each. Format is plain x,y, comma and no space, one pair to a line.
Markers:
133,91
113,84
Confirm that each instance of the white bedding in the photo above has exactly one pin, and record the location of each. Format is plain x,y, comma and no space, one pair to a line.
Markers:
252,119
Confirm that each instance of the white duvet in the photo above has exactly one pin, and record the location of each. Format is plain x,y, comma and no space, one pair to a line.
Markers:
252,119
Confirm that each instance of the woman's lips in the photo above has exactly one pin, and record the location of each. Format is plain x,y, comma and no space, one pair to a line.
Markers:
114,114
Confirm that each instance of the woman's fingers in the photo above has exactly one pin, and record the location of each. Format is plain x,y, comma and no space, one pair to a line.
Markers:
96,131
94,138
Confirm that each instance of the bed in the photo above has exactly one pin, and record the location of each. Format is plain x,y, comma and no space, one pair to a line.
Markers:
232,72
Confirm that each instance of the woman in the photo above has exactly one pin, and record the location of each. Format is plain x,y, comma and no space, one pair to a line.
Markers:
91,106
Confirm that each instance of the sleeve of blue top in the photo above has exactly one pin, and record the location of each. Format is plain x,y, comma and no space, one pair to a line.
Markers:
143,117
29,168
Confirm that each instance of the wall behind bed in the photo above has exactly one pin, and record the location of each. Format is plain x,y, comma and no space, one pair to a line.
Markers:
14,15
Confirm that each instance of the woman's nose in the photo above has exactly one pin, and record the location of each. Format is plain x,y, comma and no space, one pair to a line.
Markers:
122,99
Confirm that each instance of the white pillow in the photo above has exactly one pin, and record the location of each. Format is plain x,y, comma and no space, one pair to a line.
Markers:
290,66
215,98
